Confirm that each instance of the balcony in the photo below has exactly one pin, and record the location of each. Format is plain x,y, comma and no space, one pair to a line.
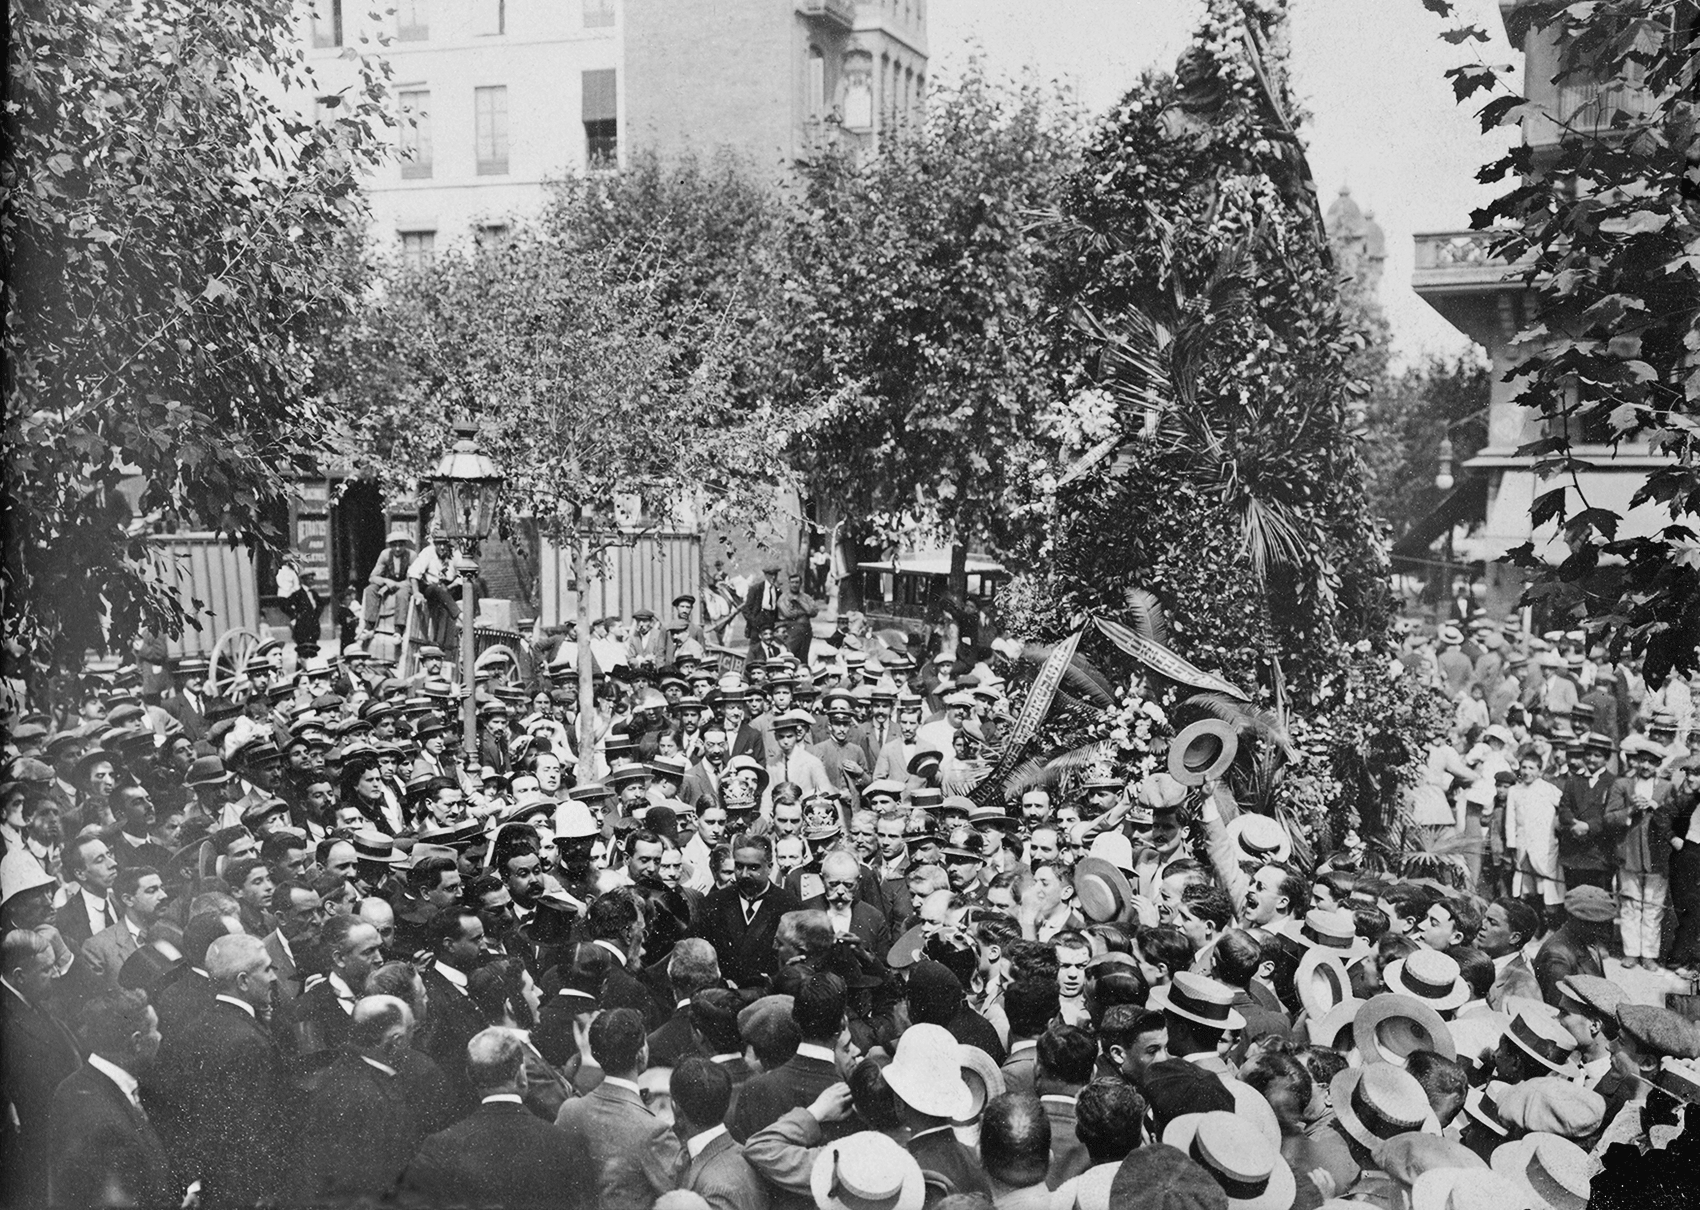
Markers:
838,13
1459,277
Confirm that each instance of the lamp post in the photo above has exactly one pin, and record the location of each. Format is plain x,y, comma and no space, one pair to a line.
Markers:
466,486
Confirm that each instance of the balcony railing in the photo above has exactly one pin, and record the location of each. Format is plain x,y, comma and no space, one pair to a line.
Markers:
1456,249
841,13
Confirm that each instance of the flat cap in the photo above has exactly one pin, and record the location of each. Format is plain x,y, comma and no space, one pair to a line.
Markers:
1590,903
1553,1105
1660,1030
1591,994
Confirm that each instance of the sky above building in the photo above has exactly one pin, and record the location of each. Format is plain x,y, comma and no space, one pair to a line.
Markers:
1371,73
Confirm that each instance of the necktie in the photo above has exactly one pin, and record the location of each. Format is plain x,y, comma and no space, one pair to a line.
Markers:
751,906
105,915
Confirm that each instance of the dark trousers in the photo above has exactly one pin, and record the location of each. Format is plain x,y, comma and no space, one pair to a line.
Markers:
1685,898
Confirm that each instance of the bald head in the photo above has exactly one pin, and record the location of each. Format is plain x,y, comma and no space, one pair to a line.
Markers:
377,1024
495,1061
233,955
378,913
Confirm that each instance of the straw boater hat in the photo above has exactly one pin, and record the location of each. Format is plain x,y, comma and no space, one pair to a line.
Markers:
1406,1158
1259,838
1102,891
1460,1189
1555,1170
1333,931
1543,1039
1482,1104
867,1171
1336,1029
1202,752
1375,1103
984,1078
1199,999
1389,1027
1247,1166
377,848
1322,982
1429,976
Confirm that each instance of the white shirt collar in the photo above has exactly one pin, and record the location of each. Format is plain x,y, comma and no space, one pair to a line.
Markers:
731,1057
383,1067
1503,961
455,978
283,942
612,949
241,1004
1024,1044
617,1082
344,993
697,1142
127,1083
503,1098
813,1050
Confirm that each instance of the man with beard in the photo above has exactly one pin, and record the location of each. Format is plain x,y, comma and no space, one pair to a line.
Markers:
576,833
849,915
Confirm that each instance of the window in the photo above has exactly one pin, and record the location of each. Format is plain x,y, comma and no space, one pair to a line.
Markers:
413,20
416,248
601,120
490,16
491,235
415,134
814,104
327,23
490,113
598,14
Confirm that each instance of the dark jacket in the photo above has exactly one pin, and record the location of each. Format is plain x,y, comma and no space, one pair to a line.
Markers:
674,1040
1561,955
450,1025
105,1151
242,1110
769,1096
499,1156
939,1153
867,921
1595,849
746,951
36,1054
357,1133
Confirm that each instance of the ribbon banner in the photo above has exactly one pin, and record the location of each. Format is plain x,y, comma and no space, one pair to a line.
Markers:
1161,660
989,791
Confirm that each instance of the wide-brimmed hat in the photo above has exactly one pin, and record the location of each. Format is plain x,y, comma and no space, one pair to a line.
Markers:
866,1171
1482,1104
1115,848
1389,1027
376,848
1322,981
1460,1189
1337,1028
1540,1036
628,770
985,1071
1430,976
926,798
1199,999
906,950
573,821
1375,1103
1202,751
1102,891
451,836
1450,636
1555,1170
926,1073
924,763
1246,1165
1259,838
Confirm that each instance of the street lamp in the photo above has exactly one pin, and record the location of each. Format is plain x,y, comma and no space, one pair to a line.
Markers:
1443,477
466,486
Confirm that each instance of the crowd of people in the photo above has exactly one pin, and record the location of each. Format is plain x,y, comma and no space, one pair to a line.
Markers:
771,943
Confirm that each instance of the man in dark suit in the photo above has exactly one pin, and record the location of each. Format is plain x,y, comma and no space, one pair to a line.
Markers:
358,1130
453,1019
1507,926
625,1156
925,1077
845,904
1587,843
617,925
499,1156
36,1053
691,968
761,602
1574,947
740,920
718,1171
817,1009
299,912
714,1025
183,700
105,1151
241,1104
320,1018
90,908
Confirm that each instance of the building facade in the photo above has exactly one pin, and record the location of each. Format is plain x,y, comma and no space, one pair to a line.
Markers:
500,97
1486,299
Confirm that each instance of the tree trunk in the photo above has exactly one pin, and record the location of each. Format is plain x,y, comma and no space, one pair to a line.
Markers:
958,582
586,666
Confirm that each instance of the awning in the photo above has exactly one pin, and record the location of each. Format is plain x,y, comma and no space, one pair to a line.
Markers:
932,563
1466,502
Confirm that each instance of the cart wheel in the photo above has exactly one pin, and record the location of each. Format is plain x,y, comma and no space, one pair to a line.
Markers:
229,660
503,660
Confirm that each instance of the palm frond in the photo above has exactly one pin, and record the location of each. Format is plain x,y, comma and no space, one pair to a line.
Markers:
1145,614
1269,536
1083,679
1243,716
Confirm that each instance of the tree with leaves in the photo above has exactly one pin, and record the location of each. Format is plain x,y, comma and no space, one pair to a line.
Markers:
918,304
1603,226
174,236
1406,416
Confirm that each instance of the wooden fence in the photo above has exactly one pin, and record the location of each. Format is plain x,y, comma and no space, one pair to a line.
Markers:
204,568
644,571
